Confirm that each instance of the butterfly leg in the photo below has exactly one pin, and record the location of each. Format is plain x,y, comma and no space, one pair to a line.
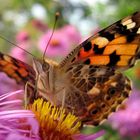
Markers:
63,98
33,92
35,87
29,91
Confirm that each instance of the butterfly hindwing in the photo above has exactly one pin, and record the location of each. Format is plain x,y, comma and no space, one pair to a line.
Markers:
94,92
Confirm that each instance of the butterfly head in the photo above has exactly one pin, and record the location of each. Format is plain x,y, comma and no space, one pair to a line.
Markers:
44,71
43,66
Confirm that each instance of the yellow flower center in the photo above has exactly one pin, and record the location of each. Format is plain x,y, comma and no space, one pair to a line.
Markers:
54,123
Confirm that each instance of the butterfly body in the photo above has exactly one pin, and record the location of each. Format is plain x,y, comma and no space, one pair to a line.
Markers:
89,81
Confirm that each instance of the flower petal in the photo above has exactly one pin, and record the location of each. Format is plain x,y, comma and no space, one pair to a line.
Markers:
89,137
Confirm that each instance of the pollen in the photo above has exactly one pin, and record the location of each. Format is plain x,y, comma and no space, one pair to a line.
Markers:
55,123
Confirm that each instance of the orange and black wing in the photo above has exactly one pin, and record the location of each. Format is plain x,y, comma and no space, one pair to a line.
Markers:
16,69
95,89
116,46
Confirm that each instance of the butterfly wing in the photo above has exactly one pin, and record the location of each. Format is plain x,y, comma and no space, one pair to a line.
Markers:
116,46
16,69
20,72
94,92
95,88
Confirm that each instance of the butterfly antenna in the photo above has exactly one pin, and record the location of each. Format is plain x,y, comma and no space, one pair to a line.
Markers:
15,45
56,18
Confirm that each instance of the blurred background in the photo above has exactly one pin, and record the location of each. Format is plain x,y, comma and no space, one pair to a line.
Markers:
29,25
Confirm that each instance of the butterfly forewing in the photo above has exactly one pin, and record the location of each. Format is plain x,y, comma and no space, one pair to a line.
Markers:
16,69
116,46
19,71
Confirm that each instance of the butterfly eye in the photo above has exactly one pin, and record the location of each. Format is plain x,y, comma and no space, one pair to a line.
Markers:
45,66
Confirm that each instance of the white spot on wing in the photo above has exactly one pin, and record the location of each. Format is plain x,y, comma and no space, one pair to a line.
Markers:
114,84
94,91
7,58
127,22
138,32
101,41
132,25
100,72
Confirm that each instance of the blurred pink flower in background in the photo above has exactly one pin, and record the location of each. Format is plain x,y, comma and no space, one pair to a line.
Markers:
72,33
23,41
58,45
135,95
38,24
19,54
61,42
127,121
22,36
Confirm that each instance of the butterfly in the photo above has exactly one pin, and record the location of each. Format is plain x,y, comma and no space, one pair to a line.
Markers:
89,81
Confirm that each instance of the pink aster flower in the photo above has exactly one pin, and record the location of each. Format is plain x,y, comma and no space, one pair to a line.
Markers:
38,24
72,33
61,41
55,124
22,36
42,122
19,54
59,44
134,96
23,41
15,122
127,121
7,84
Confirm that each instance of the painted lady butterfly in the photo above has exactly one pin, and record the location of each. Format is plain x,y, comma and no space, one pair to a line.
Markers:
89,81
